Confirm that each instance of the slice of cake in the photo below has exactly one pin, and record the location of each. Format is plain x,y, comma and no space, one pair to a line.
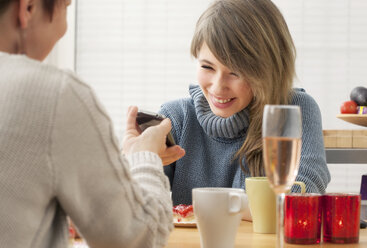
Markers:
183,213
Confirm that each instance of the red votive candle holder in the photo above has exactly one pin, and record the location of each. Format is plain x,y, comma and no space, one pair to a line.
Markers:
302,218
341,217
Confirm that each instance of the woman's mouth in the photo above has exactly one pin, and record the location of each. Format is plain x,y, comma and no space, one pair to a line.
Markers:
222,102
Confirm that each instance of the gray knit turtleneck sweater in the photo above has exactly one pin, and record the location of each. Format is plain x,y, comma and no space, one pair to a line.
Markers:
211,142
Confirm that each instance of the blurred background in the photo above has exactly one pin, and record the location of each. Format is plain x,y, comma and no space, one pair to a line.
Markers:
138,53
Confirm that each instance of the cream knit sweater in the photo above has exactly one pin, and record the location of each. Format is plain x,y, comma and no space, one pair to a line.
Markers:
59,156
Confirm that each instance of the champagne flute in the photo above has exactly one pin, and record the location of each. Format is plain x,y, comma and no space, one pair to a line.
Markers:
281,132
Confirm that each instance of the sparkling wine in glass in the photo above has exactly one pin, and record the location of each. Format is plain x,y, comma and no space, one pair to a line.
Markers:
282,132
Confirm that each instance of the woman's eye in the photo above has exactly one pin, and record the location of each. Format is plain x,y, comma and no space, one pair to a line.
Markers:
234,74
207,67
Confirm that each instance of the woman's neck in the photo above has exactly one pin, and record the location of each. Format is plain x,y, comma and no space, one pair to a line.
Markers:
232,127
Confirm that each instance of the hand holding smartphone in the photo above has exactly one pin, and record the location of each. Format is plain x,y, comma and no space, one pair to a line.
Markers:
146,119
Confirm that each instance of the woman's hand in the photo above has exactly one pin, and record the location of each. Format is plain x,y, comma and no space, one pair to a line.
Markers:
153,139
171,154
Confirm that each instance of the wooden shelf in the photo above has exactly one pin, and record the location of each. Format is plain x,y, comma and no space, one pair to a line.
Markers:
345,138
356,119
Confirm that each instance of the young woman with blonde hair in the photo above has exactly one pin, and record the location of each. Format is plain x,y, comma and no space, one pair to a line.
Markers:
246,59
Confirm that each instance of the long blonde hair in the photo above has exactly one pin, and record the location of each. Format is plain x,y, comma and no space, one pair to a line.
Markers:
251,38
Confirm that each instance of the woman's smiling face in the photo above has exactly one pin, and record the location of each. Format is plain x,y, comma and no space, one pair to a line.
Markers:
226,92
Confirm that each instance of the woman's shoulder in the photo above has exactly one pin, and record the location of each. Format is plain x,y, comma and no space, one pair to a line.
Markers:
300,97
178,107
178,103
309,107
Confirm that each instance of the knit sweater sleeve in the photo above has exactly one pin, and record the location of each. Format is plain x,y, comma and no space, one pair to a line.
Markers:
313,169
175,111
112,203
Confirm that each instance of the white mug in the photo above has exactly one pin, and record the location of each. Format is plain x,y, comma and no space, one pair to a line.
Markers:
218,213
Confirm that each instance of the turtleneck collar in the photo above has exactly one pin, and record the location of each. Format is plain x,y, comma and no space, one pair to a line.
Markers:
232,127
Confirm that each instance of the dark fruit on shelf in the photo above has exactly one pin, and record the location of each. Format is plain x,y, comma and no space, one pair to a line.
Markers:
359,95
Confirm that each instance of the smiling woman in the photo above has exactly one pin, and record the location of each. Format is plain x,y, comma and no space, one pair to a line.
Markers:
227,92
246,59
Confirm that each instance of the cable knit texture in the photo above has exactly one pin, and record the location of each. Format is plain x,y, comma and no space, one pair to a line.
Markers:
216,126
211,143
59,157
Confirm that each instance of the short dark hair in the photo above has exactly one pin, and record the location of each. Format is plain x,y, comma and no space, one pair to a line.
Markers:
4,5
48,5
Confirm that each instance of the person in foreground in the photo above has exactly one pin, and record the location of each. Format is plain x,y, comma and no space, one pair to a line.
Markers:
58,154
246,59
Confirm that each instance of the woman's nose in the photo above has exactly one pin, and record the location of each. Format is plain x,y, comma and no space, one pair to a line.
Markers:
219,83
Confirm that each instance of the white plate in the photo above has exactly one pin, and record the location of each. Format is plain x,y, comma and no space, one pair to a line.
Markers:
185,224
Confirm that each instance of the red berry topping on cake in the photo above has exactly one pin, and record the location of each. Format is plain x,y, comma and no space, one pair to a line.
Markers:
183,213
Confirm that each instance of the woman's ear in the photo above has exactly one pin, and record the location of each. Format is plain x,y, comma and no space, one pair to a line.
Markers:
26,9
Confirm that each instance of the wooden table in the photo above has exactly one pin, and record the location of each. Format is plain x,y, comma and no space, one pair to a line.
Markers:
186,237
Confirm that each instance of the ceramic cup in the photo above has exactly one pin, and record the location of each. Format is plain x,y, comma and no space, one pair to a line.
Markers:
218,213
262,202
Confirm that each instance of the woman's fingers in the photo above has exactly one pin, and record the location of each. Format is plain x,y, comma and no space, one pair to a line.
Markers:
172,154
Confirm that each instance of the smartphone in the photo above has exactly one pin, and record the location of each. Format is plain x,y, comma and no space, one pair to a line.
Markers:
147,119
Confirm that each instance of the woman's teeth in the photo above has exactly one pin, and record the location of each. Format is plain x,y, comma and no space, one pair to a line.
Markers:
222,101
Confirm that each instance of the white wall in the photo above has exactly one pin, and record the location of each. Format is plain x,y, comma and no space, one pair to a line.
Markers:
331,41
